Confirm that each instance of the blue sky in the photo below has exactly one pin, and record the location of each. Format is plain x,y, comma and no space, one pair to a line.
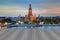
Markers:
42,7
27,1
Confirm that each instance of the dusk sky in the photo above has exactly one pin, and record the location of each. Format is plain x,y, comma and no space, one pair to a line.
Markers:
42,7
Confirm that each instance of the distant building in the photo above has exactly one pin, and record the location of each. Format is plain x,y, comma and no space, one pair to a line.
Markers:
2,18
30,15
19,17
26,18
41,23
14,18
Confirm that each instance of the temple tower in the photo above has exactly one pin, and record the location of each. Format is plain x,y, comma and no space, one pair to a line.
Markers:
30,15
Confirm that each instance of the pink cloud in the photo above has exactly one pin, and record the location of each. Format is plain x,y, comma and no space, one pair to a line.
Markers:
54,11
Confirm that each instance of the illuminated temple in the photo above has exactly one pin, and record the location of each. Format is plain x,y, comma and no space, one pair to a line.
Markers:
30,15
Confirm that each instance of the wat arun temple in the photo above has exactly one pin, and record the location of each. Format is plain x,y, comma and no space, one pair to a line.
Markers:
30,15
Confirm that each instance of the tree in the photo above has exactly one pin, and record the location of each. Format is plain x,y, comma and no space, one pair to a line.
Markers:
13,22
8,19
35,22
25,22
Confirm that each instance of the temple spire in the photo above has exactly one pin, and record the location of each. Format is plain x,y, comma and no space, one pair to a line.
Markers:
30,11
30,15
29,5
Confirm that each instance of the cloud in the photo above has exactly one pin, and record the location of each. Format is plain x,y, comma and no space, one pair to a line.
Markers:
46,8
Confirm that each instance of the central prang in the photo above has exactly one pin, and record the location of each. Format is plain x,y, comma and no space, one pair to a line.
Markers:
30,15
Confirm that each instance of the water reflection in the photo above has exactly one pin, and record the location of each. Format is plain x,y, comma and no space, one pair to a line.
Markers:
3,27
30,26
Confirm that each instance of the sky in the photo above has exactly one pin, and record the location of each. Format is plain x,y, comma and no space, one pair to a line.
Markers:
20,7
